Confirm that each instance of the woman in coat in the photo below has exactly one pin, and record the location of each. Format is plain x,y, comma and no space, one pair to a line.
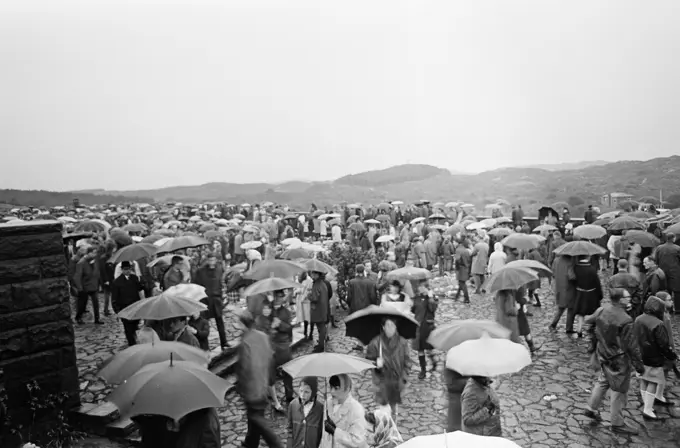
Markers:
345,426
506,312
391,354
281,336
481,408
497,259
385,432
305,416
463,263
564,288
455,384
480,258
588,292
302,309
424,307
533,286
522,322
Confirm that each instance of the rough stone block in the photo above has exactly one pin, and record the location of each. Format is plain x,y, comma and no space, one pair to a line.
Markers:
56,382
39,363
53,266
33,294
29,340
31,228
35,316
29,269
34,245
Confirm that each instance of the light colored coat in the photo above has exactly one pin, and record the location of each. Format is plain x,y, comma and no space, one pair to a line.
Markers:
350,425
497,259
480,255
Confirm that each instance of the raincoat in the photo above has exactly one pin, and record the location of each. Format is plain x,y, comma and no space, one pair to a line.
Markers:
565,282
497,259
390,381
480,258
349,419
476,416
667,257
506,312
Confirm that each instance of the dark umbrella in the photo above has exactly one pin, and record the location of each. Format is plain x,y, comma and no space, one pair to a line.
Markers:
294,254
643,238
133,252
366,324
121,237
89,226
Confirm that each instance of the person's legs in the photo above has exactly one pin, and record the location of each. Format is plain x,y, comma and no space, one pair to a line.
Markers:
107,302
321,327
597,395
558,315
571,315
94,298
261,425
82,306
423,365
252,439
130,330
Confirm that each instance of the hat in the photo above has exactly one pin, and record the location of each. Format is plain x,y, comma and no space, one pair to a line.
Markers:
126,265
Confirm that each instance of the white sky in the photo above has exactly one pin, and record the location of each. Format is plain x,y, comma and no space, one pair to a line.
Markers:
142,94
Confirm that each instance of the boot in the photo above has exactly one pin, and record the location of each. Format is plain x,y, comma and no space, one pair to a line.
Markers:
423,367
538,301
433,360
306,329
532,346
648,411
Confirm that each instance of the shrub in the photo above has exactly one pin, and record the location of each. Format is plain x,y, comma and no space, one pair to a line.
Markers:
345,258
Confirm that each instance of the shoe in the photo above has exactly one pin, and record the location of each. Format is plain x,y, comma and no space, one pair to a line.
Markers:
318,349
422,375
624,429
98,322
594,415
552,328
529,314
652,418
666,403
466,302
107,313
279,409
79,321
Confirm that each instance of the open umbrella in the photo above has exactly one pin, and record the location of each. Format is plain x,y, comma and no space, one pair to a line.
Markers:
454,230
150,239
166,260
384,238
294,254
135,227
458,439
164,306
450,335
365,324
357,227
643,238
251,245
189,291
590,231
90,226
372,222
183,242
579,249
290,241
123,365
121,237
212,234
326,365
417,220
274,268
269,285
171,388
409,273
383,218
500,232
133,252
315,265
520,241
510,278
626,223
544,228
503,220
487,357
531,264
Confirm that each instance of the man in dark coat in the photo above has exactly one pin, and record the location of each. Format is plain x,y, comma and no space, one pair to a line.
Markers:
463,262
211,277
86,282
564,286
629,282
127,289
319,306
361,292
667,257
589,215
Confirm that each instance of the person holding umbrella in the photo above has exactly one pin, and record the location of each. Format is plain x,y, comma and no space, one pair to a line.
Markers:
126,290
424,307
345,425
281,335
319,304
305,416
481,408
391,354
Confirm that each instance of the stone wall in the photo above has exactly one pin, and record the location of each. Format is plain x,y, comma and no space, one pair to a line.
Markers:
36,331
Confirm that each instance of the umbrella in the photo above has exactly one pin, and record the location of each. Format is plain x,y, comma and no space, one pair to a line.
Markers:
315,265
136,227
384,206
171,388
183,242
269,285
152,238
510,278
165,261
487,357
162,241
133,252
274,268
372,221
165,232
590,231
365,324
579,249
602,222
206,227
357,227
454,230
353,206
212,234
458,439
437,216
409,273
500,232
289,241
318,213
384,238
417,220
448,336
675,228
531,264
195,218
503,220
452,204
239,216
66,219
489,222
520,241
625,223
544,228
164,306
251,245
294,254
90,226
121,237
189,291
640,215
334,222
643,238
326,365
476,225
124,364
383,218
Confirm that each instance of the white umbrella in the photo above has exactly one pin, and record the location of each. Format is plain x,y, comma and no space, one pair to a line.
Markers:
487,357
458,439
384,238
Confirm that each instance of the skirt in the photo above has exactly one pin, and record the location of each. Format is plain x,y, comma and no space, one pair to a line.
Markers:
654,375
302,310
586,303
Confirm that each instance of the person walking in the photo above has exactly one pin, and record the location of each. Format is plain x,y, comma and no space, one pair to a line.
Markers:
319,304
588,292
345,425
361,292
126,290
424,307
618,355
481,408
463,262
667,257
86,282
564,288
305,416
281,333
211,276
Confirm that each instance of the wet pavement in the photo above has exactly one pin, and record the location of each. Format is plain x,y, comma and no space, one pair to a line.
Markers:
559,373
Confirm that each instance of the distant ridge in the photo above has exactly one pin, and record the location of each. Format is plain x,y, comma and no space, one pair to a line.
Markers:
568,166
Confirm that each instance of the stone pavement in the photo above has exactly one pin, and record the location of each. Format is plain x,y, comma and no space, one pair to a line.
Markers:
531,420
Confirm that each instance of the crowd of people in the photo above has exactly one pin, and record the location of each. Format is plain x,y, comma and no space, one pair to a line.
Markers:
629,334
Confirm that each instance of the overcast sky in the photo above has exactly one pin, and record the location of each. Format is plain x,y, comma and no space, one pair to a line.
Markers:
143,94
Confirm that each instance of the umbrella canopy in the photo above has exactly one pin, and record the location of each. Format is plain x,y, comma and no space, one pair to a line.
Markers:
212,234
269,285
123,365
487,357
274,268
458,439
448,336
251,245
409,273
372,221
189,291
165,261
315,265
643,238
500,232
531,264
164,306
417,220
152,238
357,227
675,228
135,227
544,228
121,237
383,218
294,254
640,215
90,226
326,365
171,388
626,223
520,241
509,277
183,242
454,230
384,238
579,249
366,324
289,241
437,216
590,231
133,252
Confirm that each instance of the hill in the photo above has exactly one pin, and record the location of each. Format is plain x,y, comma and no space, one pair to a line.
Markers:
569,166
529,186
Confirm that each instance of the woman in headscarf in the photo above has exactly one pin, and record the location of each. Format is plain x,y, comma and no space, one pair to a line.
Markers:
395,297
588,292
345,426
656,350
391,353
385,432
497,259
305,416
506,312
424,307
481,408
